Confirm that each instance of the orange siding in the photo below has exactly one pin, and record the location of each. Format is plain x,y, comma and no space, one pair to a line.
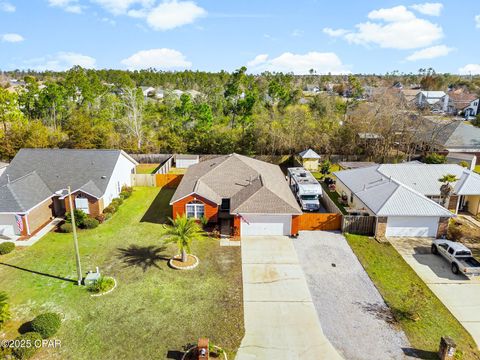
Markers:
168,180
236,226
211,209
95,206
295,224
317,221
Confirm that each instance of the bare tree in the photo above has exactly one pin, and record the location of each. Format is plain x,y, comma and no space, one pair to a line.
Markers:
133,117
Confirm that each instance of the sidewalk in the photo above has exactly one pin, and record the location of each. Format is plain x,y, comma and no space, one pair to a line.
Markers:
37,236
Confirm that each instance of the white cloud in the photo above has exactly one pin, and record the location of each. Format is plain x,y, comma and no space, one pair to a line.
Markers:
470,69
430,53
432,9
163,59
477,21
259,59
300,63
394,28
7,7
71,6
171,14
121,7
12,38
335,32
60,61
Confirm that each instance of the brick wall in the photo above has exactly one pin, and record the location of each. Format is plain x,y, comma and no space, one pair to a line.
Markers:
95,206
211,209
40,215
236,226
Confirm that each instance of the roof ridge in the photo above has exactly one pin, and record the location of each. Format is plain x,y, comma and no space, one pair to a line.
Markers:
17,200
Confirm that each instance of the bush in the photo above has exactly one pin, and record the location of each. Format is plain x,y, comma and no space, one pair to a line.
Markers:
4,309
30,342
66,228
127,189
435,158
117,201
204,220
80,217
100,218
107,216
103,284
125,195
90,223
463,164
111,209
47,324
6,247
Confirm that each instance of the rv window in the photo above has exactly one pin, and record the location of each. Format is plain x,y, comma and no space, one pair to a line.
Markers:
309,197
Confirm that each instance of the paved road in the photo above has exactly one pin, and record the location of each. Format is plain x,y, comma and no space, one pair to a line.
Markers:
459,294
353,314
280,319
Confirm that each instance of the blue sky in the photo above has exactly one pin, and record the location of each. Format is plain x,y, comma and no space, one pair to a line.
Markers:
328,36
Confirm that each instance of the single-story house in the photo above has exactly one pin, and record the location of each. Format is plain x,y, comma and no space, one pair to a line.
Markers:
33,188
249,196
462,103
431,99
310,159
183,161
406,198
347,165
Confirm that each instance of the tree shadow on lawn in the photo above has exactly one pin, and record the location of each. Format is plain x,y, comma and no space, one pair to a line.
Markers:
143,256
39,273
160,208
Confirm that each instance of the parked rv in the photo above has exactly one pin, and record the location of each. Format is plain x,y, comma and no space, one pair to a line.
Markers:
306,188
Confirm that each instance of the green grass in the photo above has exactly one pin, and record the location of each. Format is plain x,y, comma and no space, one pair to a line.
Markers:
146,168
177,171
153,310
394,278
334,196
477,169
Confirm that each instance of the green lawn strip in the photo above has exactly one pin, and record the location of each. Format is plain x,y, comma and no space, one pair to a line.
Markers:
394,279
146,168
153,310
477,169
334,196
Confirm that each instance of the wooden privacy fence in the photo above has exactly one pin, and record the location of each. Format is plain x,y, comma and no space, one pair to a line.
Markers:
328,203
320,221
360,225
158,180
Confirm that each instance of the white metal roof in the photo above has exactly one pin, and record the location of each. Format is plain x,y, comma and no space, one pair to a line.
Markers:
309,154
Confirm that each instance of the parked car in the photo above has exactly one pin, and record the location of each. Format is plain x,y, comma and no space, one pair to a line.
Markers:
459,256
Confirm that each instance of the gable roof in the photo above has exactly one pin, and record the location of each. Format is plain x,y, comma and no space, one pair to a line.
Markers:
386,196
309,154
461,99
35,174
253,186
452,134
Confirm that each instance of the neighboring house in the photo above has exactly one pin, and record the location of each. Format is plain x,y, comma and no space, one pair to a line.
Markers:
431,99
310,159
452,136
3,167
248,195
406,198
457,158
185,161
462,103
148,91
33,188
159,93
409,95
347,165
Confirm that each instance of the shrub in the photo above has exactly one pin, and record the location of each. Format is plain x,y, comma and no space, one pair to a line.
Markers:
204,220
6,247
435,158
100,218
103,284
454,232
127,189
125,194
107,216
80,217
66,228
117,201
111,209
90,223
463,164
26,352
47,324
4,309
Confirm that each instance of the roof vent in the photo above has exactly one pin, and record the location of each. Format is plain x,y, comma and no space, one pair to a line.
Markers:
103,177
303,174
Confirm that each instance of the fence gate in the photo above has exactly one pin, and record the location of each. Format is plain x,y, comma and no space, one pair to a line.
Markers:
143,179
360,225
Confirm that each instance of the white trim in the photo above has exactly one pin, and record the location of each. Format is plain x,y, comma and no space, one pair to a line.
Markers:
80,190
135,162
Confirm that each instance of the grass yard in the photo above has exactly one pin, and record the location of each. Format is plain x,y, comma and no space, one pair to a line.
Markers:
153,313
477,169
147,168
394,278
177,171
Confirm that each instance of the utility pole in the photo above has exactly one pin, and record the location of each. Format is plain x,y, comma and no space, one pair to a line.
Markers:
75,240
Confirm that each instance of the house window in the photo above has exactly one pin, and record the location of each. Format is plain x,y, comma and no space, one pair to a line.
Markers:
195,209
81,203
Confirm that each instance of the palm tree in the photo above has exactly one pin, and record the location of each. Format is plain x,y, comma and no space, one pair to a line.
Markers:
182,232
446,189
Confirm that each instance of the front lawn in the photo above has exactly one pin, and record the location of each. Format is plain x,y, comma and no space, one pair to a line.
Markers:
477,169
153,312
404,292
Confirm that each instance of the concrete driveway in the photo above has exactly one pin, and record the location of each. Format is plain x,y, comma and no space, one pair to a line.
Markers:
353,314
458,293
280,317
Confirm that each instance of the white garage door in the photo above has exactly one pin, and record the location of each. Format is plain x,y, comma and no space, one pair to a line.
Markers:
254,225
412,226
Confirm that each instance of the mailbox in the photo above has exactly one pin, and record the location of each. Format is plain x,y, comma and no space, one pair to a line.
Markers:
447,348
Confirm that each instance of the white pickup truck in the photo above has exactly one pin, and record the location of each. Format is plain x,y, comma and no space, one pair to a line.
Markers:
458,255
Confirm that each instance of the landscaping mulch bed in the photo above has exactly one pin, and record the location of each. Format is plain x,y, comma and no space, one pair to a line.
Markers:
177,263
